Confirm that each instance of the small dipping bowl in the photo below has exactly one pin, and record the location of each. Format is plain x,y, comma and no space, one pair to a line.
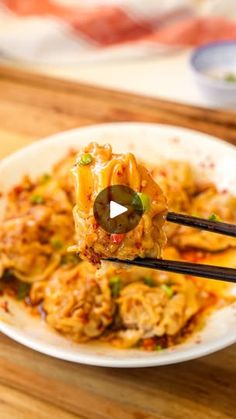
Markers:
214,70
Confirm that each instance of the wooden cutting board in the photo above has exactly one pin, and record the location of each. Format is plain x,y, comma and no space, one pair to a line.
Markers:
36,386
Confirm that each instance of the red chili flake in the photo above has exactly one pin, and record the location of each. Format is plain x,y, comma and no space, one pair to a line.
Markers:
117,238
5,307
175,140
95,225
28,301
72,151
193,256
162,173
148,344
211,165
225,191
11,292
110,318
18,189
84,318
93,283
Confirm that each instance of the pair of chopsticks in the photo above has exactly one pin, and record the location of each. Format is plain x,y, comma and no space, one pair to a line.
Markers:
188,268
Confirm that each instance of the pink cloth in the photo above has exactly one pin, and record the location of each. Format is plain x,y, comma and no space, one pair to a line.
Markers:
197,31
102,26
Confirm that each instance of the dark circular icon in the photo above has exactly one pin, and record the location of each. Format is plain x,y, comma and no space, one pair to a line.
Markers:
118,209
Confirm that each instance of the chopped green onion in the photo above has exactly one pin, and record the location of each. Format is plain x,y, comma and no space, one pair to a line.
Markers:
37,199
141,201
57,244
137,203
149,281
70,259
85,159
115,285
145,199
168,290
230,77
158,348
45,178
214,217
23,290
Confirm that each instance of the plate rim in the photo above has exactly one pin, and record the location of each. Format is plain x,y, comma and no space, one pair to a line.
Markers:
101,361
71,132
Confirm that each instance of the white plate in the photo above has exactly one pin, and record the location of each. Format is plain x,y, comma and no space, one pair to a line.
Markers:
152,143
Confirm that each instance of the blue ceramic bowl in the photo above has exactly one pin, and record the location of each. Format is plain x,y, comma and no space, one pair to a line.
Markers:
214,69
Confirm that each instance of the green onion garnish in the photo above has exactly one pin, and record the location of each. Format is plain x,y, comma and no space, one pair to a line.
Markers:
168,290
70,259
158,348
145,199
214,217
23,290
141,201
57,244
115,285
85,159
45,178
149,281
37,199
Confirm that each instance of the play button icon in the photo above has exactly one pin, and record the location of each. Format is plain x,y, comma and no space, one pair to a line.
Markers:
118,209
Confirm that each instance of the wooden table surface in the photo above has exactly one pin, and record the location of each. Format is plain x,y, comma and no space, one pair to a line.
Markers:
36,386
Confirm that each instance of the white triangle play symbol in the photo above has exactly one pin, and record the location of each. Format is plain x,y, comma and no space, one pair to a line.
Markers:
116,209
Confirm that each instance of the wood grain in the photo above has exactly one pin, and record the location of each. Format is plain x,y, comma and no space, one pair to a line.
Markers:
34,385
36,105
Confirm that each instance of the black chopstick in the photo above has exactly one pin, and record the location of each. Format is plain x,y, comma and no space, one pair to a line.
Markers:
196,222
185,268
188,268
